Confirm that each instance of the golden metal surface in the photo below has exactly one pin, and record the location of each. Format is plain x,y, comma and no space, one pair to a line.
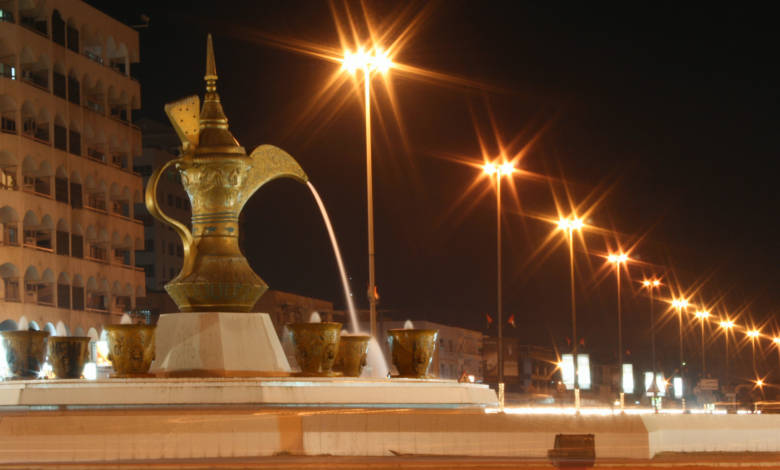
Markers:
25,352
219,178
130,349
351,357
67,355
316,347
412,351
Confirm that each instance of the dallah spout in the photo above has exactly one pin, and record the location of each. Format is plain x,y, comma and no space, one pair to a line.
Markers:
269,163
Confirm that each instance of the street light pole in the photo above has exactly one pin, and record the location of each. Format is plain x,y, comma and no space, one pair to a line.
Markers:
703,315
568,226
617,260
651,285
366,62
504,169
680,304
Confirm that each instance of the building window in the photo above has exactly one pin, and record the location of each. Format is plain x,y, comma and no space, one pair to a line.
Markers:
75,142
63,296
61,190
59,84
73,39
170,200
74,90
78,298
76,200
60,138
77,246
63,243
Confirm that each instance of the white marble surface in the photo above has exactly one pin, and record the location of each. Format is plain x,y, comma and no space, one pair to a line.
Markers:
261,391
217,341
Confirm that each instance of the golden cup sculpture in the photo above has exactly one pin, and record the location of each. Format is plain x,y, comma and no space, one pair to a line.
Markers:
316,346
67,355
219,178
412,351
351,357
131,349
25,353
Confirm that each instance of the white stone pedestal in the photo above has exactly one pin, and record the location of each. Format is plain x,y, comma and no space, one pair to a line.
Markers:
218,344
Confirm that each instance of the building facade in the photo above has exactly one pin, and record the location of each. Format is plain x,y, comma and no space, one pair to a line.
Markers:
67,187
163,253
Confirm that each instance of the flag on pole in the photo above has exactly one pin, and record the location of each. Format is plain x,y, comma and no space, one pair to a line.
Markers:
489,319
511,321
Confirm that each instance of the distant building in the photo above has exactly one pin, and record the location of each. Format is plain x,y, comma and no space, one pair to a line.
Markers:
68,231
163,253
511,362
538,369
284,308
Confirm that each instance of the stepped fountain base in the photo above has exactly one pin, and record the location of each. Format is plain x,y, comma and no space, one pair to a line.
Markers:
218,344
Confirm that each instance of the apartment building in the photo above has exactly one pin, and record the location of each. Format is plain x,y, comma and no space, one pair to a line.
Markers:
67,187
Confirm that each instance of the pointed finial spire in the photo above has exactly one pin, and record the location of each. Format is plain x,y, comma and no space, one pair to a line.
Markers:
211,66
214,137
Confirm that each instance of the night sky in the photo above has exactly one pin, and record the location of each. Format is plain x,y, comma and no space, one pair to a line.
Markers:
671,114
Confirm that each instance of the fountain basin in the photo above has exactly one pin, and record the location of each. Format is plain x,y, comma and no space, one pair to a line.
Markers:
130,349
25,352
316,346
412,351
67,355
351,357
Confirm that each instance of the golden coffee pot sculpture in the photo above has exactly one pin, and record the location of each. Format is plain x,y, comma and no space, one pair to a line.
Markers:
219,178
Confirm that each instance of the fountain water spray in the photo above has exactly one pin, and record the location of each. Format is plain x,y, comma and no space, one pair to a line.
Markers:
375,360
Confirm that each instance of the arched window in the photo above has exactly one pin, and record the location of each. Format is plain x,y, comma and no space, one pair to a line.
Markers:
76,198
73,36
59,83
7,114
8,168
10,276
77,241
9,222
74,88
57,28
61,185
33,17
77,293
63,238
63,291
74,139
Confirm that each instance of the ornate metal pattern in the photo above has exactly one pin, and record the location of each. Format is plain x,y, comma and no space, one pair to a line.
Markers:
351,357
67,355
25,352
412,351
130,349
316,346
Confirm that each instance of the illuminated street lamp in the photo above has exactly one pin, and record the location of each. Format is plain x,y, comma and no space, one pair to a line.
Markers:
726,325
380,62
499,170
568,226
702,315
680,305
651,285
617,260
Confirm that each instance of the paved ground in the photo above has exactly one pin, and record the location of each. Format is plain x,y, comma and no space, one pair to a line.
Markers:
722,461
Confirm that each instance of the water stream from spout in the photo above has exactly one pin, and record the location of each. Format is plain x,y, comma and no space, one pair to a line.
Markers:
375,360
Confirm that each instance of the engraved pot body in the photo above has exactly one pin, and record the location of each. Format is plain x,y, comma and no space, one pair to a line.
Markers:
412,351
130,349
351,357
216,276
316,346
25,353
67,355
